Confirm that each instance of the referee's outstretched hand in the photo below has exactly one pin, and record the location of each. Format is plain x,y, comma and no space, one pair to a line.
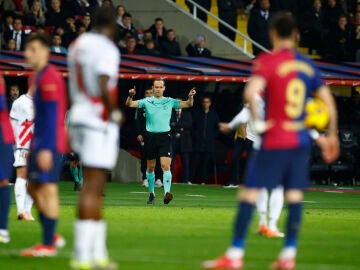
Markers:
192,92
132,92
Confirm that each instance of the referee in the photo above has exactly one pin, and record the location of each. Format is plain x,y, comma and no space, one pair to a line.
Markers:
158,139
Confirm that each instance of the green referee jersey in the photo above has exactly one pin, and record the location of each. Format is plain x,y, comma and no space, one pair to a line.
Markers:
158,113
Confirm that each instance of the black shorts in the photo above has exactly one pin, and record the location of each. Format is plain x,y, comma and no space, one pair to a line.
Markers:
157,145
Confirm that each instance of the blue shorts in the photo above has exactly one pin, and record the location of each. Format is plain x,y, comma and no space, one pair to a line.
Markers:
38,176
6,161
270,168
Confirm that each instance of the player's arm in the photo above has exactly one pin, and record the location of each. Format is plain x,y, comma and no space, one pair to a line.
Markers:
241,118
190,101
129,101
252,88
330,144
110,105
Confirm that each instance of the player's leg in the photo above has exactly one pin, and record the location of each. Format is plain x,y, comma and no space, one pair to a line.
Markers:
150,176
90,216
276,203
262,207
286,259
4,210
167,178
20,190
233,257
297,178
143,166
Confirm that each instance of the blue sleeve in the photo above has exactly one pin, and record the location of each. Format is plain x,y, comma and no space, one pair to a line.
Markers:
317,80
48,140
2,103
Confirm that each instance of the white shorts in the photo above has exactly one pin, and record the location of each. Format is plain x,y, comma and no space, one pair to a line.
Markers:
96,147
21,157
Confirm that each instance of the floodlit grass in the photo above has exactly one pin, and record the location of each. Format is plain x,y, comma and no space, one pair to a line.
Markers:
194,228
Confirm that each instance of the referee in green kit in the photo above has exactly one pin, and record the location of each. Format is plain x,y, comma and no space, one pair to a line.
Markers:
158,110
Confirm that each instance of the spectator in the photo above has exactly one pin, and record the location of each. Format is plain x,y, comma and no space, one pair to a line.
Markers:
125,27
86,21
228,13
11,45
140,121
78,7
55,15
181,126
18,34
341,41
356,20
141,42
8,23
120,11
258,26
81,29
36,16
70,31
312,28
205,130
170,47
150,48
107,3
56,46
198,47
206,4
20,7
158,32
332,12
14,93
130,47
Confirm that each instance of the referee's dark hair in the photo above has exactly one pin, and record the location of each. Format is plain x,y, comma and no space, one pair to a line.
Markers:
284,24
104,17
43,38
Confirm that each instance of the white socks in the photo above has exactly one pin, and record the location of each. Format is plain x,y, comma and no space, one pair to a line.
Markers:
288,253
276,204
20,194
90,241
234,253
262,205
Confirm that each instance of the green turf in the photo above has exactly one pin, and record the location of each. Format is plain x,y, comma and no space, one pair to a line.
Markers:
191,229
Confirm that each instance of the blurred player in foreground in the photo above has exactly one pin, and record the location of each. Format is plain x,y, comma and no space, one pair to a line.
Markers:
283,158
93,61
6,159
49,143
22,120
158,138
276,200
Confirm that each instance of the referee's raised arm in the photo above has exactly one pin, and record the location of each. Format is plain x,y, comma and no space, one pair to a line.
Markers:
129,101
190,101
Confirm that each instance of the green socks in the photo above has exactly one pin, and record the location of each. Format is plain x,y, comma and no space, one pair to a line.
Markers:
151,179
167,181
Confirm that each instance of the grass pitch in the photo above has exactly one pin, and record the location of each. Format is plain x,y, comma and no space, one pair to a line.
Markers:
196,226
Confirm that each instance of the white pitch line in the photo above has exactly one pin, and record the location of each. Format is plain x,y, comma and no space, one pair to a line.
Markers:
138,192
195,195
308,201
331,191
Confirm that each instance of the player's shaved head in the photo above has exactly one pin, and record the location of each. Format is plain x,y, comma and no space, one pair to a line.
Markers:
284,24
104,17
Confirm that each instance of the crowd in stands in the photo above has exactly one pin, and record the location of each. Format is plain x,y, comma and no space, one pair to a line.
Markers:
67,19
330,28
